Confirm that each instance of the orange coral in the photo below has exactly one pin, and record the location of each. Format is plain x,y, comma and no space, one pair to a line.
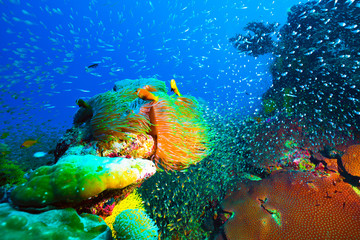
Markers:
351,160
294,205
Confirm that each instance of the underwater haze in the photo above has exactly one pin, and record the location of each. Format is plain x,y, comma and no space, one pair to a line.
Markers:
277,82
46,47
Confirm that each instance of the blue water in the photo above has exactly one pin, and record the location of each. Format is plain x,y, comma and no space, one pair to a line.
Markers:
47,45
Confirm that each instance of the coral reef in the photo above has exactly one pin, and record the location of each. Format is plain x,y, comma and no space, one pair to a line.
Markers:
10,173
135,146
259,41
132,201
171,130
117,140
135,224
76,178
293,205
351,161
54,224
316,63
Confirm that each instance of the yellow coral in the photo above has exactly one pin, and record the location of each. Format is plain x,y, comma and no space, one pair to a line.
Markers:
133,201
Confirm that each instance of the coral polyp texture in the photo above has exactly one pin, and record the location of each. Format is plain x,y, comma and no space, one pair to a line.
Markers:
135,224
74,179
53,224
294,205
351,161
133,201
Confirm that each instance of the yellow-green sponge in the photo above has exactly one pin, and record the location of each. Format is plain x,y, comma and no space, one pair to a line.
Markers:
75,178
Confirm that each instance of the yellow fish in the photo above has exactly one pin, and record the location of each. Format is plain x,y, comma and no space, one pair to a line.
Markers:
28,143
146,95
174,87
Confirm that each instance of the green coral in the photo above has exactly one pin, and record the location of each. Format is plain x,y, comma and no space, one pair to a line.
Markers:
10,173
135,224
76,178
54,224
269,106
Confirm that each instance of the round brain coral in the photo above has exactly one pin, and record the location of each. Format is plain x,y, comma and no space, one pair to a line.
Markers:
133,201
351,160
294,205
135,224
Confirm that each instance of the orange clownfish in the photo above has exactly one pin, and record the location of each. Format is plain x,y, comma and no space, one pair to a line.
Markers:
174,87
150,88
28,143
146,95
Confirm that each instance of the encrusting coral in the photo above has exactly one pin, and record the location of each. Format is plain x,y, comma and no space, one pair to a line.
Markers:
293,205
351,160
54,224
77,178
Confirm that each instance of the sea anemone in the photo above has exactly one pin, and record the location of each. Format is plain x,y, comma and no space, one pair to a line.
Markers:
179,130
175,123
115,114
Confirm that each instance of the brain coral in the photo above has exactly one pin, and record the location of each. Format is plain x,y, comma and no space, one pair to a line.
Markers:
132,201
294,205
54,224
75,178
135,224
351,160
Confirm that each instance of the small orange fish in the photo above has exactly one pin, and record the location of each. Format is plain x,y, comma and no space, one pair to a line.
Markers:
146,95
28,143
174,87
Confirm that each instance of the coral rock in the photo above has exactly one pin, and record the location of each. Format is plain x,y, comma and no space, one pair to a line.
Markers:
294,205
135,145
351,160
54,224
77,178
